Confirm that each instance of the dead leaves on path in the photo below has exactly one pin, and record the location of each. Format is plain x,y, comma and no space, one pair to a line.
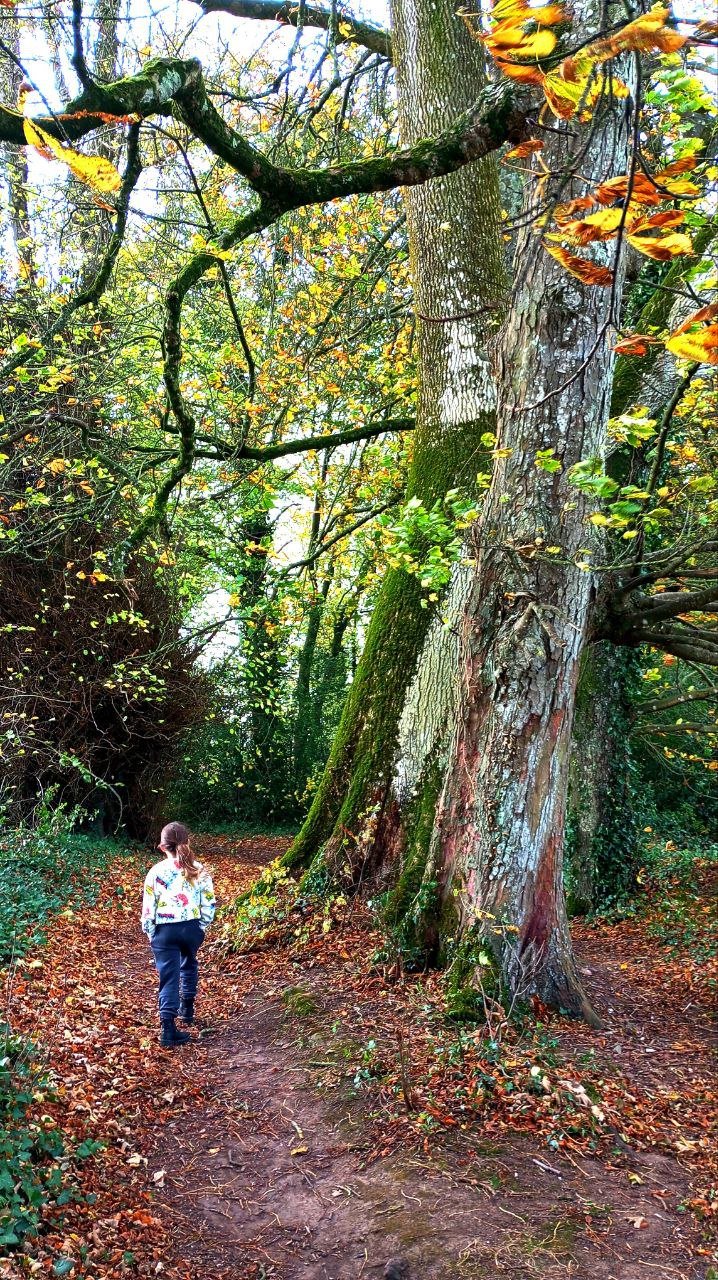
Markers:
95,993
89,997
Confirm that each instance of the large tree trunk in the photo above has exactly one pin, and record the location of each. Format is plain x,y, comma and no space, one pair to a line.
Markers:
459,284
603,845
497,844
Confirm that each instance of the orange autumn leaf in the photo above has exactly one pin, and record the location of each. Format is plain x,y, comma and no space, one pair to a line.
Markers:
520,71
706,313
644,35
685,165
643,190
563,212
569,85
635,345
107,117
587,272
528,148
666,218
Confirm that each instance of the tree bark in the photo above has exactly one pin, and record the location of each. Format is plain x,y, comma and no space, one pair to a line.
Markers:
602,838
456,247
496,853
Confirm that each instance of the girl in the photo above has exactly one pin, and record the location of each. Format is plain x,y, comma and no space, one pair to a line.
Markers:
177,909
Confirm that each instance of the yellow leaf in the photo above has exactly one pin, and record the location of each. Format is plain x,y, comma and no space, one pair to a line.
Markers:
562,94
662,248
681,187
700,345
95,171
596,226
522,44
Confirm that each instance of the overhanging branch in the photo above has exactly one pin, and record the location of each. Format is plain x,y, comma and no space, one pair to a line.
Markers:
165,84
348,28
330,441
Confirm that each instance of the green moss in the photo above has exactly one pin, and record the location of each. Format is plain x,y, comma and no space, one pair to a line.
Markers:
359,765
601,850
299,1002
401,900
472,976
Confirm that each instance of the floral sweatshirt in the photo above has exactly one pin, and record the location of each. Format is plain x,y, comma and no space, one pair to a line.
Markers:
170,896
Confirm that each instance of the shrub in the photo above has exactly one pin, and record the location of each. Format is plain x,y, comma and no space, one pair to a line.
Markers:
41,868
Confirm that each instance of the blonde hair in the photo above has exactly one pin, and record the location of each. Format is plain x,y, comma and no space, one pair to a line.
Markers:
175,840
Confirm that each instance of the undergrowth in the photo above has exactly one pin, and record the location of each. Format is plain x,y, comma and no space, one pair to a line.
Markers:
35,1160
673,881
671,897
41,868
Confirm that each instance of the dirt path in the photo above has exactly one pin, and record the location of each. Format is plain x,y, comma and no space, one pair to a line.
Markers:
256,1151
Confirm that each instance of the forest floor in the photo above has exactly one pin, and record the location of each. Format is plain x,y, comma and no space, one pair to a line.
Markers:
327,1122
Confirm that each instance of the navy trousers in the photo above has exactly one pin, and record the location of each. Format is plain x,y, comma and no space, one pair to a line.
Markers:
175,948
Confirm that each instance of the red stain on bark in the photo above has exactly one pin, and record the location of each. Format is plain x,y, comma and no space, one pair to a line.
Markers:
542,917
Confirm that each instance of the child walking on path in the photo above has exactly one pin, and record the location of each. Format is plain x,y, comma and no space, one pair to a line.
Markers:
177,909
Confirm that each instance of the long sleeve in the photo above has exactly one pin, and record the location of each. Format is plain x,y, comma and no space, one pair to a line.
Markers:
149,905
207,900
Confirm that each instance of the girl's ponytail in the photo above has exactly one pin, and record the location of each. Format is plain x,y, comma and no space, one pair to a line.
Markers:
175,840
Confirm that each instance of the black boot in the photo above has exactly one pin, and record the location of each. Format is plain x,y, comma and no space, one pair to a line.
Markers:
186,1009
170,1037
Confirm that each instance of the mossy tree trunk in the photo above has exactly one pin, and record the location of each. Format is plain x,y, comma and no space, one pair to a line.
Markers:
355,822
601,828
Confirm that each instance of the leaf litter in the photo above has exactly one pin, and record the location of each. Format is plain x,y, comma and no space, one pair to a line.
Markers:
333,1136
